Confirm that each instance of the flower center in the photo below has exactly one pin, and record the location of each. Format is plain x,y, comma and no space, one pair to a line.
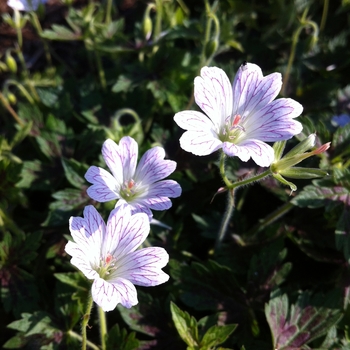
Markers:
128,190
107,265
232,131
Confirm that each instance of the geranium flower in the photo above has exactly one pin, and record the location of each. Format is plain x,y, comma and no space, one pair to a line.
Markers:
137,186
108,255
239,118
25,5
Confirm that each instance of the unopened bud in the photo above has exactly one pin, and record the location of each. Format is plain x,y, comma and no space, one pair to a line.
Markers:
11,62
147,25
11,98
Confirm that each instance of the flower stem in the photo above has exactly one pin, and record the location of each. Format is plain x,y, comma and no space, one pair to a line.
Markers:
228,183
77,336
226,219
101,72
324,14
103,327
39,30
250,180
11,110
109,11
85,322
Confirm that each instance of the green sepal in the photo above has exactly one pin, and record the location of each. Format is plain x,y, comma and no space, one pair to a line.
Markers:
303,173
284,181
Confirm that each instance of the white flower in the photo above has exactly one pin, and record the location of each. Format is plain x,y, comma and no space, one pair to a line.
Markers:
137,186
239,118
108,255
25,5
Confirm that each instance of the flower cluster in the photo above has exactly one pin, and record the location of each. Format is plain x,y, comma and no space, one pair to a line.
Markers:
239,120
106,253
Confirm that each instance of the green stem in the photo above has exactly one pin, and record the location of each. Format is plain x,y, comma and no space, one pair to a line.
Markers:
109,11
10,109
250,180
17,16
39,30
103,327
85,322
226,219
22,89
207,33
228,183
292,52
159,17
101,72
324,14
77,336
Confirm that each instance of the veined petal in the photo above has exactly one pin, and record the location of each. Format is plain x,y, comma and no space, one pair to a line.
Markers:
194,121
121,159
109,294
143,267
252,91
213,94
153,167
275,122
261,153
105,187
82,258
125,232
200,143
157,195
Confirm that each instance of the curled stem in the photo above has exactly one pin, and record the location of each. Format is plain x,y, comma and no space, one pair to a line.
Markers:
11,110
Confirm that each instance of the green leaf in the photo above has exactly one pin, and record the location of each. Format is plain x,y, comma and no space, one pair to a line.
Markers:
119,339
60,33
74,172
186,326
216,335
303,322
314,197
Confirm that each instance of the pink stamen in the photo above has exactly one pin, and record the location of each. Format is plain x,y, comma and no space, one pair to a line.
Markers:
131,184
236,120
109,258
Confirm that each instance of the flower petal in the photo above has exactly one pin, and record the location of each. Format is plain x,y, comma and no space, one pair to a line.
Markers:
157,196
121,159
252,91
81,258
200,143
109,294
275,121
143,267
125,232
105,187
261,153
213,94
88,234
153,167
194,121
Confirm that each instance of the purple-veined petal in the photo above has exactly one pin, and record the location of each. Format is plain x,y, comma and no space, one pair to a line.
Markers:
194,121
275,122
121,159
157,195
125,232
109,294
213,94
136,207
261,153
143,267
153,167
200,143
81,258
252,91
105,187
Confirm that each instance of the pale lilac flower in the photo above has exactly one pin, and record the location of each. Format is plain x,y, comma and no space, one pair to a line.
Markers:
25,5
239,118
107,254
137,186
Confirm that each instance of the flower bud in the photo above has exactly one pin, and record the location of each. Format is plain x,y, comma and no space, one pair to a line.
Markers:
11,62
147,25
11,98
